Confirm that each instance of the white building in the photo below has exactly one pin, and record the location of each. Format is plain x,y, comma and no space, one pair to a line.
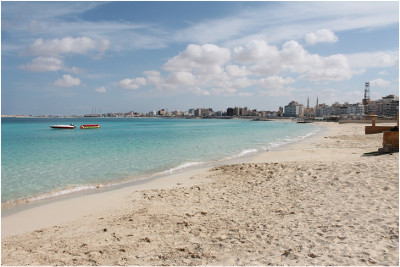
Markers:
355,109
323,110
294,109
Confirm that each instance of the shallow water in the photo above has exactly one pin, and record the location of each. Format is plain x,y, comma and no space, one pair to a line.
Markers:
40,162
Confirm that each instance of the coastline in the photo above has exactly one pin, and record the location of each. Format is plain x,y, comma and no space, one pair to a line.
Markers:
339,149
15,205
36,207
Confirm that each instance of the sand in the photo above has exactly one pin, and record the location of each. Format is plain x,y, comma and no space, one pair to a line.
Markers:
319,202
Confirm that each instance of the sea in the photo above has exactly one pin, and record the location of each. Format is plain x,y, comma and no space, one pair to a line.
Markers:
38,162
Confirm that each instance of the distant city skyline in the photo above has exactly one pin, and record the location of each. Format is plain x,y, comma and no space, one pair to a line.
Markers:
70,57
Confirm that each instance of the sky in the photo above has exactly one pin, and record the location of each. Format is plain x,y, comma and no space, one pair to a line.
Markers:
65,58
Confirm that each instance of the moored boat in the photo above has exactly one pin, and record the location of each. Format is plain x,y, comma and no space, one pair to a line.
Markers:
63,126
90,126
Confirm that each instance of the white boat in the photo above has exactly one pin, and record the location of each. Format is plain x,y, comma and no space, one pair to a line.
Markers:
62,126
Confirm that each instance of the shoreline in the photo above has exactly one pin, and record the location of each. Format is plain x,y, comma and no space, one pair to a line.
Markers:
14,214
322,201
20,204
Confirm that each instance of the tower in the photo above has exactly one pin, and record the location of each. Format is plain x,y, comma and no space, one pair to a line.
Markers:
308,102
366,100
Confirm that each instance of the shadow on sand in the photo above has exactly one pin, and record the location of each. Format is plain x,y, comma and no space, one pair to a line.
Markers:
375,153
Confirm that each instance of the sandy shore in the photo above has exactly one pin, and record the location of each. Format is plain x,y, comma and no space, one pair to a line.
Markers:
319,202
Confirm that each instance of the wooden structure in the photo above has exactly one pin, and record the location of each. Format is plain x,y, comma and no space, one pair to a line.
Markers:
390,139
376,129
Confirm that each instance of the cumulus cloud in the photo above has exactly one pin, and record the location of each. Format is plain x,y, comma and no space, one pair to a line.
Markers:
237,71
321,36
255,51
132,83
263,59
153,77
332,68
180,78
67,81
211,69
201,59
41,64
379,83
275,82
67,45
100,90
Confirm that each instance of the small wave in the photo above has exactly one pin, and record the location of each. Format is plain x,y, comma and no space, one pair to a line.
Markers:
52,194
241,154
182,166
289,140
245,152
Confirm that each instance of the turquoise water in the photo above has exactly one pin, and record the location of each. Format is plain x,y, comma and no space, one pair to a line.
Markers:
38,162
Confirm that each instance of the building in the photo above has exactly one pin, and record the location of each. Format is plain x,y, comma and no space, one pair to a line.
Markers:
294,109
339,109
388,106
191,111
161,112
280,112
323,110
355,109
203,112
236,111
152,113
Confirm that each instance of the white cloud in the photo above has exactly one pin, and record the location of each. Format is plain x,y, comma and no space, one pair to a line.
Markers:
290,20
153,77
100,90
286,91
263,59
224,91
237,71
242,82
321,36
332,68
204,69
379,83
275,82
67,81
200,91
205,59
374,59
275,23
181,78
41,64
132,83
67,45
255,51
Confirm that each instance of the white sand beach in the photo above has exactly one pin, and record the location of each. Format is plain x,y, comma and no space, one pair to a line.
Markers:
319,202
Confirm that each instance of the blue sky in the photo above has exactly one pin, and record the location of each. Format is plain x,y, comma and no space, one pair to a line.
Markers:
71,57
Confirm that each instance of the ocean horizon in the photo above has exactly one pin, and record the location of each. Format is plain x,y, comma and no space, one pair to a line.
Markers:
40,163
